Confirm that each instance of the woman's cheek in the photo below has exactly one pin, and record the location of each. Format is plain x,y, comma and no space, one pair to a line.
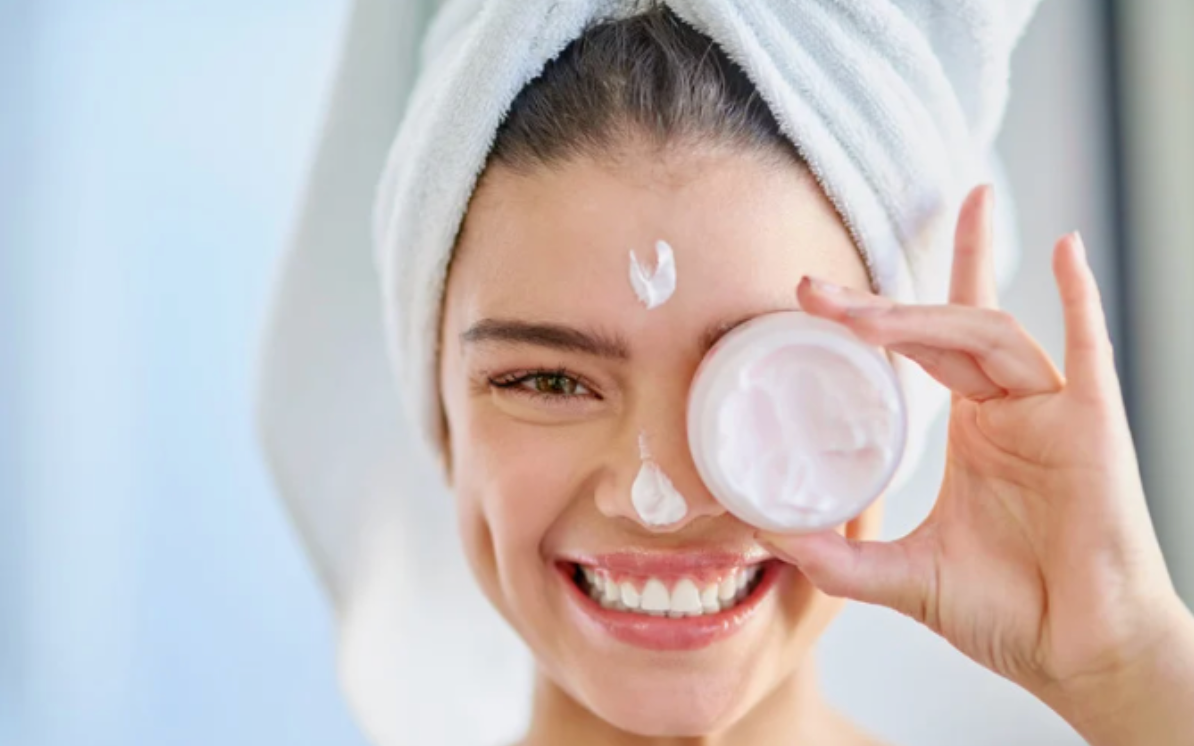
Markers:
520,481
527,474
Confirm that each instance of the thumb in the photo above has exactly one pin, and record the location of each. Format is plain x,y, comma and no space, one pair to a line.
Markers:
896,574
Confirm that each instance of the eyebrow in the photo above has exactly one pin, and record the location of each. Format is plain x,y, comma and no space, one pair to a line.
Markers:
553,336
570,339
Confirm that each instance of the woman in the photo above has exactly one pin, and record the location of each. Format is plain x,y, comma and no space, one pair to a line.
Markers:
1038,560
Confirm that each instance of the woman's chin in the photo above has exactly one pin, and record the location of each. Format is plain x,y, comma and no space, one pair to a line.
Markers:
670,706
683,693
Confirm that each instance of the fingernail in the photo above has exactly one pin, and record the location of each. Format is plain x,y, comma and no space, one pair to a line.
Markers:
852,303
1080,247
823,286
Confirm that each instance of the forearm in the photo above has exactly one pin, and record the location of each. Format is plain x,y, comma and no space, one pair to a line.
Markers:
1151,702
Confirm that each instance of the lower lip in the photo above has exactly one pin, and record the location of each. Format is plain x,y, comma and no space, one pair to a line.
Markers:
666,633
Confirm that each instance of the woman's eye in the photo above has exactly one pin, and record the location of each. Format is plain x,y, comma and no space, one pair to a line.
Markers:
546,384
562,386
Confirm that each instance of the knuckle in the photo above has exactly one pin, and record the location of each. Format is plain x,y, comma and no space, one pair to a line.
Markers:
1005,321
1005,329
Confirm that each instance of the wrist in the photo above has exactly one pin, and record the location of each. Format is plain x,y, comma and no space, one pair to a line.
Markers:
1149,698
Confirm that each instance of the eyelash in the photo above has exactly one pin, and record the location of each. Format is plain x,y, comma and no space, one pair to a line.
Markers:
513,383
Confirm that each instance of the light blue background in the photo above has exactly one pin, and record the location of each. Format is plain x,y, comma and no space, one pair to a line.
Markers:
151,590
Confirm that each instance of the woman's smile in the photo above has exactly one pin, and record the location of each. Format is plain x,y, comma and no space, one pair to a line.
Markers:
669,601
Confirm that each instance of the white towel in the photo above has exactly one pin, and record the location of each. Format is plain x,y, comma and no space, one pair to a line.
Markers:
894,104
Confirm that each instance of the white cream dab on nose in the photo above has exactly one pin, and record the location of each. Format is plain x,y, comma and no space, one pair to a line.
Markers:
652,494
654,287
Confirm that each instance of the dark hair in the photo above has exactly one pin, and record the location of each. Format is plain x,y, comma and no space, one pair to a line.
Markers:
646,79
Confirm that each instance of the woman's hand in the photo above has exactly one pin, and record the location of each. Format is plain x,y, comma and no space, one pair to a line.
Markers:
1038,559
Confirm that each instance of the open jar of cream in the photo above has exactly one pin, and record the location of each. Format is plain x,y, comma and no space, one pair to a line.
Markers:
795,424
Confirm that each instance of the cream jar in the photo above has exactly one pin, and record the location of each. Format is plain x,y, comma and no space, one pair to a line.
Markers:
795,424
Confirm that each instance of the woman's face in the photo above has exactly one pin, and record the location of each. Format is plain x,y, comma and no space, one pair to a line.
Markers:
551,372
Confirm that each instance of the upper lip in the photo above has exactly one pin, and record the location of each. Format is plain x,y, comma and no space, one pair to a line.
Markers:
673,563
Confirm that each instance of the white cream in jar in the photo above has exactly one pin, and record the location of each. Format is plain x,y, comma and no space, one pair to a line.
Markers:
794,423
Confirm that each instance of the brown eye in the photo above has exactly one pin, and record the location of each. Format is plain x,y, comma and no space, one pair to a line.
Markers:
546,386
554,384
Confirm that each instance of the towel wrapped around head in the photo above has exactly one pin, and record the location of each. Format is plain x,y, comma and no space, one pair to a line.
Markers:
893,104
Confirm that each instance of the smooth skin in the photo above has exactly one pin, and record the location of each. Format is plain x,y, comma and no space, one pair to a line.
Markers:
1038,560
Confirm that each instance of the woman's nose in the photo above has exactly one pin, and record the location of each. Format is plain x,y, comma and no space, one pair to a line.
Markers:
657,484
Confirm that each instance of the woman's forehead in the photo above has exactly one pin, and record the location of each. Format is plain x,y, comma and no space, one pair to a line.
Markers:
558,241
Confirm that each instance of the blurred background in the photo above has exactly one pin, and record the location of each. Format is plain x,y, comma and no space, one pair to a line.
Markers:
152,156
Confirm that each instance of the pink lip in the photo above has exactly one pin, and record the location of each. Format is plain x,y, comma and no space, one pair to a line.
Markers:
665,633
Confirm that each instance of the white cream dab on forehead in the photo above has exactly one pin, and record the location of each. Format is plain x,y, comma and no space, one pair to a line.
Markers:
653,495
654,287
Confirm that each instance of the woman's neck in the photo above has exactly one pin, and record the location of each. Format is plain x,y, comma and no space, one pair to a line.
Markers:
794,713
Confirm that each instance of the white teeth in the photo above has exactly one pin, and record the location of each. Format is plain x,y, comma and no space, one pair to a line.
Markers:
686,599
655,596
727,589
610,593
630,597
603,587
709,599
